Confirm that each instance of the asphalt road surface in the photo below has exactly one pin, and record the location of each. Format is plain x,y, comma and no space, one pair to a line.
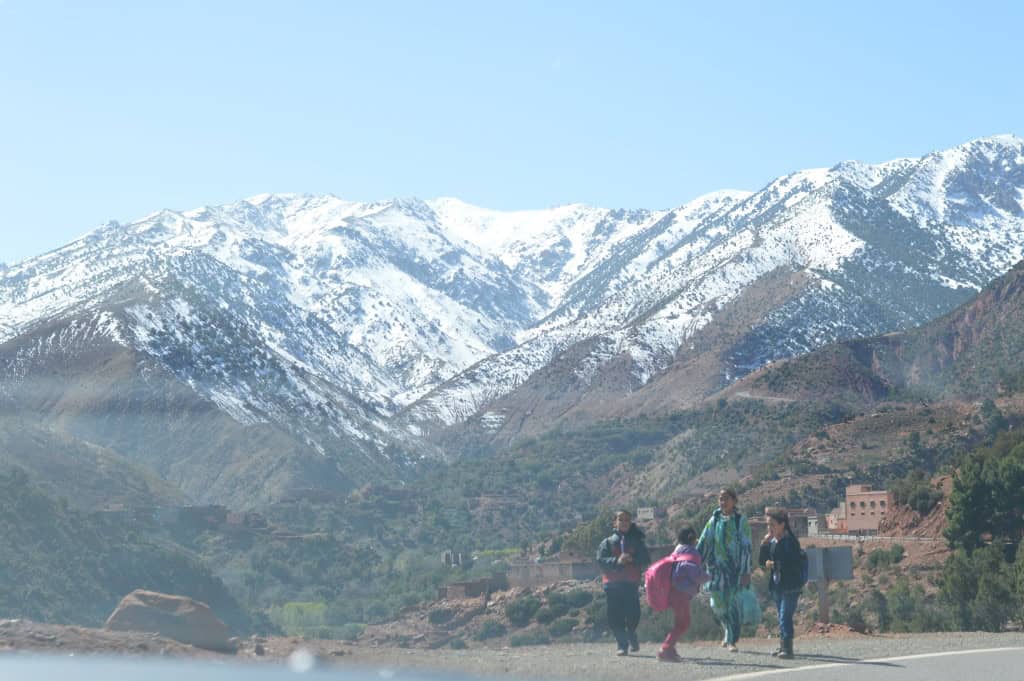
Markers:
936,657
932,657
1000,664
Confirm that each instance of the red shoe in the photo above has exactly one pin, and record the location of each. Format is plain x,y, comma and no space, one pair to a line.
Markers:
669,655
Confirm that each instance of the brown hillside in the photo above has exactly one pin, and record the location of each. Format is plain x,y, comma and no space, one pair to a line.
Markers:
94,398
904,521
556,395
970,353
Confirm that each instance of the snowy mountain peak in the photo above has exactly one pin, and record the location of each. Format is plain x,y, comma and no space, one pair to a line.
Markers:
351,311
992,144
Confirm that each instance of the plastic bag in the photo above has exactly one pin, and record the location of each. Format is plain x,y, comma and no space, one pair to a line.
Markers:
717,603
750,609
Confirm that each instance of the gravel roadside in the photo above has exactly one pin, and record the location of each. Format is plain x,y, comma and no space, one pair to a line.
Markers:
597,662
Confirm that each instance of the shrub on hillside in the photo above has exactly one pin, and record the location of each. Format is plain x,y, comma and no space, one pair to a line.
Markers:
440,615
490,629
520,611
912,610
916,491
577,598
562,626
594,614
348,632
546,615
879,558
552,611
533,637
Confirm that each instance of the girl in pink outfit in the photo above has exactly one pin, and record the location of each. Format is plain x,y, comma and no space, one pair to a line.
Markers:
688,575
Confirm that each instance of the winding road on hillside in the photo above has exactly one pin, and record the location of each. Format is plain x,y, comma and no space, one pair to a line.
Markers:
746,394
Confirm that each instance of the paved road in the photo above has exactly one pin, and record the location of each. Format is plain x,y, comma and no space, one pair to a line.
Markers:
1000,664
943,657
878,658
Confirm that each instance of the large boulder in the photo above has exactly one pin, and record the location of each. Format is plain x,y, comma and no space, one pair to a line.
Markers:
178,617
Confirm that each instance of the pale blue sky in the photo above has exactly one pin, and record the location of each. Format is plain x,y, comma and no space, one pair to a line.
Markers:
111,110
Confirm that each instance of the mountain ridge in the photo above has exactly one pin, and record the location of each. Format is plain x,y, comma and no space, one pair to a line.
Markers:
360,328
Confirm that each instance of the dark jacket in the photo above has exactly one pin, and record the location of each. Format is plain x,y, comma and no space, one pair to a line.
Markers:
611,548
785,574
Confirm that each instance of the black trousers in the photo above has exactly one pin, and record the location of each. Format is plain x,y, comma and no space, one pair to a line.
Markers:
623,611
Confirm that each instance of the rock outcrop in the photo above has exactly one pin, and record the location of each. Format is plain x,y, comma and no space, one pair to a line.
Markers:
177,617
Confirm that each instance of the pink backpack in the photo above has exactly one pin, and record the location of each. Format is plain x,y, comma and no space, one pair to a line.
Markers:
658,578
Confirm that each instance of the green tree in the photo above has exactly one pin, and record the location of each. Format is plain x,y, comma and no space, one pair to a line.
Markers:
879,605
585,539
1019,586
900,600
992,418
988,494
995,601
959,587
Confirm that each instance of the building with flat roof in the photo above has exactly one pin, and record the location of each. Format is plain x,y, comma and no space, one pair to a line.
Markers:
835,521
866,508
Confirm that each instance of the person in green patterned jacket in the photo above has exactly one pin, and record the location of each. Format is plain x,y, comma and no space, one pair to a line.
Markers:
726,549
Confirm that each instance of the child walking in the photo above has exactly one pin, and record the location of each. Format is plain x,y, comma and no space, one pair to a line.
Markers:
688,575
780,556
726,549
622,558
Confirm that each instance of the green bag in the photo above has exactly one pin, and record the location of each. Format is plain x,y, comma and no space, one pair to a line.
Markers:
750,609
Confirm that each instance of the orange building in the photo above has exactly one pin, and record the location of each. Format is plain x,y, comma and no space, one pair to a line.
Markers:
865,508
836,520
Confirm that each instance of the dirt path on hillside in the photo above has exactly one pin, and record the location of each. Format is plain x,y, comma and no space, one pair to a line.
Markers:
764,398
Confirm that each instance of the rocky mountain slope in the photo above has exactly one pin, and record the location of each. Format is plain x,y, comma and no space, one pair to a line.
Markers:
338,334
708,295
971,353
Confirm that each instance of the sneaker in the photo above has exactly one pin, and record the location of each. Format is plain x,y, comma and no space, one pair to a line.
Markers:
732,648
621,652
669,655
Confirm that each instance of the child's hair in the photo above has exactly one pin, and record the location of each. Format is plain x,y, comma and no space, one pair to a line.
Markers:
781,517
731,493
623,512
686,535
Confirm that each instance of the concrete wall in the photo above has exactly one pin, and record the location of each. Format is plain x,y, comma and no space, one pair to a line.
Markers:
473,589
542,574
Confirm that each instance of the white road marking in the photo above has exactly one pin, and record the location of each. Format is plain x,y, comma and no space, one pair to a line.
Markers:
830,665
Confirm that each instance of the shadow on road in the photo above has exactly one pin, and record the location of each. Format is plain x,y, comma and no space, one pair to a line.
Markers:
845,660
711,661
718,662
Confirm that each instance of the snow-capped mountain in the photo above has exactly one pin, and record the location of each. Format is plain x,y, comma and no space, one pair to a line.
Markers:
875,248
317,316
356,327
